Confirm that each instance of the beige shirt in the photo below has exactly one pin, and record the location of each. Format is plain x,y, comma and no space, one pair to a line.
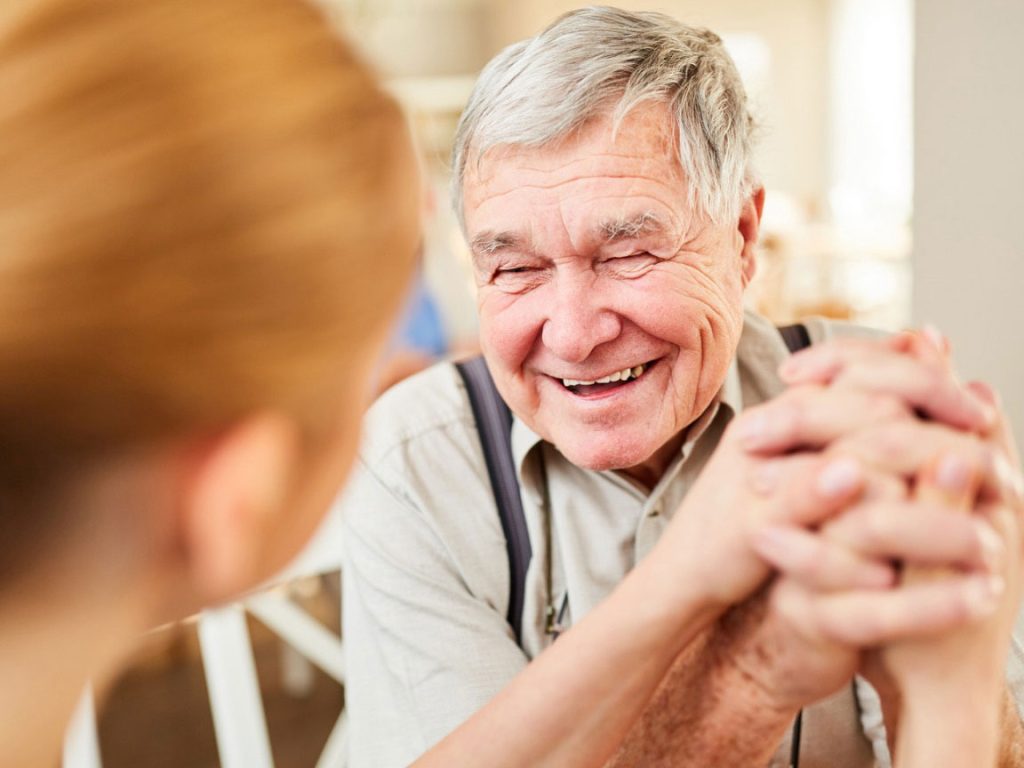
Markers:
426,577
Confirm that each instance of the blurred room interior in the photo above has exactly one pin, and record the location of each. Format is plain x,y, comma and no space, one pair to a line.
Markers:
859,111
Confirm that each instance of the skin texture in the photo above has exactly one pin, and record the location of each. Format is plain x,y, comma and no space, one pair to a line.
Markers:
927,679
559,299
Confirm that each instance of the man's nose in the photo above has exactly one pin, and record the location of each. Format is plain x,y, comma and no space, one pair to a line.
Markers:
579,320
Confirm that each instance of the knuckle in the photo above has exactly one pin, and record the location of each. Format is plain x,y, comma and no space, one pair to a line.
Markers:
887,488
888,442
884,408
739,425
934,371
787,602
813,567
882,624
874,529
955,611
832,626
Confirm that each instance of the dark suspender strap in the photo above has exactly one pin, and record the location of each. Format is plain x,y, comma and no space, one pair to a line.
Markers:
794,740
795,336
494,425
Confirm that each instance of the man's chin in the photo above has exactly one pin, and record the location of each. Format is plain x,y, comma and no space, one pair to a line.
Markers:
605,458
644,457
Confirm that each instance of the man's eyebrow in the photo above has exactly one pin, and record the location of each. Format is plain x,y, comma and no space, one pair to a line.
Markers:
632,226
488,243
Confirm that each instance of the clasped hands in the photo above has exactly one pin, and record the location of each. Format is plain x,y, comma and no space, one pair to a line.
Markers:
874,508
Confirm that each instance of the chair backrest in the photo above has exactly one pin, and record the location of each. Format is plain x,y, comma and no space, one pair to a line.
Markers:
239,719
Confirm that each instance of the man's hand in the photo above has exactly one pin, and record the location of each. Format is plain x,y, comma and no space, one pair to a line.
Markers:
739,491
773,641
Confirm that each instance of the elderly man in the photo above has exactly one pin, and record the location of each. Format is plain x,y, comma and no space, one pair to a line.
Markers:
603,178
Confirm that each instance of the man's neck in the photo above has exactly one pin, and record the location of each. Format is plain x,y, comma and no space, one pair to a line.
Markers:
647,474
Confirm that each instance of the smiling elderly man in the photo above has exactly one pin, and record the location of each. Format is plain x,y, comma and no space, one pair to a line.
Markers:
603,179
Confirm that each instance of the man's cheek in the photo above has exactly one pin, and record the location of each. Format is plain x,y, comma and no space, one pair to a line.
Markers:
510,335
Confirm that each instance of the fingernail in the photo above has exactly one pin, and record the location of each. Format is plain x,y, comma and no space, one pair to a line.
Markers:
984,594
953,473
985,411
936,337
983,391
991,545
985,402
839,478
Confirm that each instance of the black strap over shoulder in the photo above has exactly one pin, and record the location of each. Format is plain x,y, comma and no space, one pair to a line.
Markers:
795,336
494,425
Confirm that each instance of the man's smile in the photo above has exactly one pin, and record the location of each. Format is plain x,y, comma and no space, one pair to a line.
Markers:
608,383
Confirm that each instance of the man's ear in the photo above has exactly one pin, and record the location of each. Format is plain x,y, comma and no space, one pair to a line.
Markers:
234,495
749,229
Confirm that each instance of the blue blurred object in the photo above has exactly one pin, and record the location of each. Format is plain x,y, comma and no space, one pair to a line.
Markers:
420,327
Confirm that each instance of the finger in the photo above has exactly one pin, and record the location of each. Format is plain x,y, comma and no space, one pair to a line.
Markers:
906,447
918,534
806,489
868,618
951,480
939,340
881,486
1001,431
929,388
811,417
929,343
923,381
817,563
799,479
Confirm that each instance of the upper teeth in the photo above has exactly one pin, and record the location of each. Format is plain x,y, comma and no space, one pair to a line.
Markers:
624,375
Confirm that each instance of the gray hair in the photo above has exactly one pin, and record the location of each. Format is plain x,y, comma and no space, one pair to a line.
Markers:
598,59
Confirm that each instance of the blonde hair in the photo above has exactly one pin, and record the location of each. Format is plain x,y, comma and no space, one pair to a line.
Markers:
193,222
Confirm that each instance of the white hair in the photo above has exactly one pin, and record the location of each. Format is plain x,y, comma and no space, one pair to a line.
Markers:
598,60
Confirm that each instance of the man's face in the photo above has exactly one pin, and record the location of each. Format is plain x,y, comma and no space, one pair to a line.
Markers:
590,264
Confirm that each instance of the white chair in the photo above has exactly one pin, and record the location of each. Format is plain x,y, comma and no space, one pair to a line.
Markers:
239,720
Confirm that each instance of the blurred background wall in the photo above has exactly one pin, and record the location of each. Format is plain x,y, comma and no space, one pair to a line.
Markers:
968,261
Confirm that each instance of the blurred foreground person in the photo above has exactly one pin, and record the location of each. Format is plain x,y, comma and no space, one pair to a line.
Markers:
207,214
197,270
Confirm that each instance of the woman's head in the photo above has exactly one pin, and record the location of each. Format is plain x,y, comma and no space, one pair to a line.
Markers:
207,214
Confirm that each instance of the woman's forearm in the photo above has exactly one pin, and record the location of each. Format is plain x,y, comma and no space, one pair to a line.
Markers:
575,703
949,726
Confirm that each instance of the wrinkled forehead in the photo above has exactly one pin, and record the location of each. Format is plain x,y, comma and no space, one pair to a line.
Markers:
603,178
647,129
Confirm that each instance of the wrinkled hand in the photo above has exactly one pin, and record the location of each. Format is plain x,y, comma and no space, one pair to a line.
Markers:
806,638
983,455
739,491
